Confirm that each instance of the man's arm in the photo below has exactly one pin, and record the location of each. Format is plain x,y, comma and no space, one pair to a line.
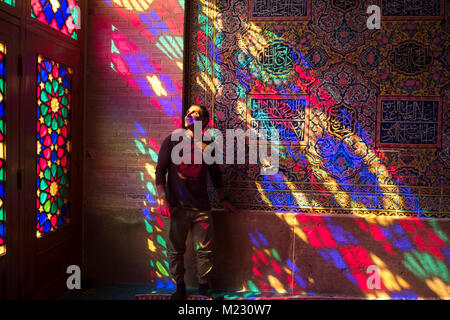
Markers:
164,207
225,202
162,194
160,176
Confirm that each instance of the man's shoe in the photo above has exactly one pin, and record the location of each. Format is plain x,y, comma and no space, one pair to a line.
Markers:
180,293
203,290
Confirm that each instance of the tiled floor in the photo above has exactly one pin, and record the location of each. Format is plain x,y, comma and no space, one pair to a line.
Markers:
129,292
109,292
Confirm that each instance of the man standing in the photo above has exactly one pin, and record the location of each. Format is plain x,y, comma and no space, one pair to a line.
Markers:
184,199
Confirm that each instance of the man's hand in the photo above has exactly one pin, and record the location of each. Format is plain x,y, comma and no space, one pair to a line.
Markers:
229,207
164,208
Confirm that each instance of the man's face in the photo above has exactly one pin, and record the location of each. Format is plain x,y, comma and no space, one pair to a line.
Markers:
194,113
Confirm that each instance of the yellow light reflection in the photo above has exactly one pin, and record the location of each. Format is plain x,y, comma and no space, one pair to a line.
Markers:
380,220
392,282
276,284
293,222
439,287
200,83
137,5
209,9
151,245
151,170
157,86
262,193
208,82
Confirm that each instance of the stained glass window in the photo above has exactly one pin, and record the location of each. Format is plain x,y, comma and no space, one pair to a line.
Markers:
2,147
61,15
53,144
10,2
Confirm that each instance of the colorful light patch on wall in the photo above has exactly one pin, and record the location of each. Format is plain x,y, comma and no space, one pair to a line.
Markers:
160,27
2,147
146,76
61,15
154,225
272,273
159,21
137,5
53,144
10,2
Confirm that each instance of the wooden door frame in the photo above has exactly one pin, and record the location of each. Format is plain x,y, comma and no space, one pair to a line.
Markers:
9,261
26,255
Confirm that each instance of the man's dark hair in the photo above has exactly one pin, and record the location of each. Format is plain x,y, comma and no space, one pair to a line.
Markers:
205,112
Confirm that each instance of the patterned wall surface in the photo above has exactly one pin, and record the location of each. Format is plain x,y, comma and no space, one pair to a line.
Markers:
362,114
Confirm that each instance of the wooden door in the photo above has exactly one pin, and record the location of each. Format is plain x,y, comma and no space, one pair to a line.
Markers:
52,161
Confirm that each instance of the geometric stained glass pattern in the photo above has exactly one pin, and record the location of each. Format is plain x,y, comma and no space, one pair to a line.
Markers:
2,147
53,144
61,15
10,2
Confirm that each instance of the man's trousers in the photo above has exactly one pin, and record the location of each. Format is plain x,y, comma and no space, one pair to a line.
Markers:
200,224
